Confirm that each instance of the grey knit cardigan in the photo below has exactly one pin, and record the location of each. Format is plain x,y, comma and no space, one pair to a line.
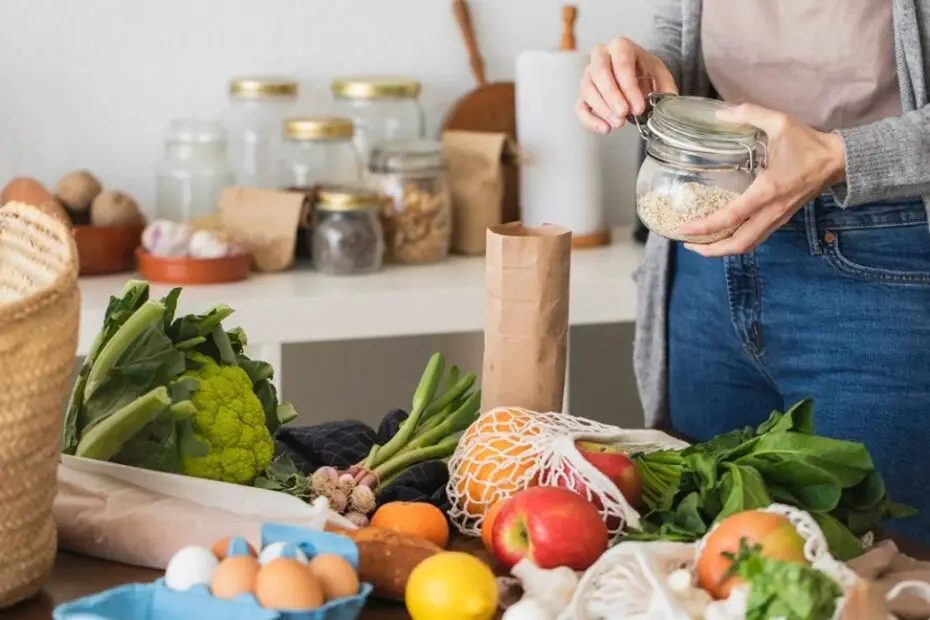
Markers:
886,159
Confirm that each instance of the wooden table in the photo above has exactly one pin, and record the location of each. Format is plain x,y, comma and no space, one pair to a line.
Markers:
75,576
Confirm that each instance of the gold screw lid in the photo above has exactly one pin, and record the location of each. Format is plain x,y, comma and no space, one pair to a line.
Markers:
347,198
319,128
262,87
376,88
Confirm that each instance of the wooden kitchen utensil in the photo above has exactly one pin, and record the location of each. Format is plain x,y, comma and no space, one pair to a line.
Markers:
490,107
569,17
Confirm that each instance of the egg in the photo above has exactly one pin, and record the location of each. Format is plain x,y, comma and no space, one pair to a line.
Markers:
221,548
234,576
275,550
335,574
26,190
287,584
189,567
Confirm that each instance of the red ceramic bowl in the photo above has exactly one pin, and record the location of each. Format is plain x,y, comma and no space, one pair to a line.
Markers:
187,270
107,249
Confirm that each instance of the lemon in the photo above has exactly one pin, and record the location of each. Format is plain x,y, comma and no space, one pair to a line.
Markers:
451,586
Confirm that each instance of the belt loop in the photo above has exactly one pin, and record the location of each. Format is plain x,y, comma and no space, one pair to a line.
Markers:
810,227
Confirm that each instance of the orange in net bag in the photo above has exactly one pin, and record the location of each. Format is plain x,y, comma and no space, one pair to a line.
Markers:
509,449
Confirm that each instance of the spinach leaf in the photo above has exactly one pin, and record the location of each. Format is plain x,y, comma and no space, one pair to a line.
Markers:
842,543
795,459
742,488
812,498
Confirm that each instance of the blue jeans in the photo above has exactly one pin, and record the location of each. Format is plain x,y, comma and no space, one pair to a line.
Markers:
834,306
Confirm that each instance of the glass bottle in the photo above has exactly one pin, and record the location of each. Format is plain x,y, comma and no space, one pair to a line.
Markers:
382,108
257,107
194,171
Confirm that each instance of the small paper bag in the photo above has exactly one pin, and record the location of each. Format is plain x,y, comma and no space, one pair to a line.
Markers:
264,222
478,166
526,316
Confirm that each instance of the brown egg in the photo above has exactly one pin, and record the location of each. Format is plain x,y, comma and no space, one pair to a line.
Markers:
234,576
287,584
221,548
26,190
335,574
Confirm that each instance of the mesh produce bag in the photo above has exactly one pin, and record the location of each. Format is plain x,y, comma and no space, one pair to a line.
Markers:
39,309
509,449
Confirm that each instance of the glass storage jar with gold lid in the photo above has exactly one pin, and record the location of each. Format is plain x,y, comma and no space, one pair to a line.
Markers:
383,108
695,164
417,214
257,107
347,234
318,149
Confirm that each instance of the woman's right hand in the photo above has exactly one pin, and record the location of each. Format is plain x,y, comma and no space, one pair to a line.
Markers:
611,87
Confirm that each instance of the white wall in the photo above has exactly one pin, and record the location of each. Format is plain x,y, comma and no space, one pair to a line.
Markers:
93,83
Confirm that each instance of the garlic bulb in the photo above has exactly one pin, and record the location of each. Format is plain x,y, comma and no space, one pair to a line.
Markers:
166,238
208,244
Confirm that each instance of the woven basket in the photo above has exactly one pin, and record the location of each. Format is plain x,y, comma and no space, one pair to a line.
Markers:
39,310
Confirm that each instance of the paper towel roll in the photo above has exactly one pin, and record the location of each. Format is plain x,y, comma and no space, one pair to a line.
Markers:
560,181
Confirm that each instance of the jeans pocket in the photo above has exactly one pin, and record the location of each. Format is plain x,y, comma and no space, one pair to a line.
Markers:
889,255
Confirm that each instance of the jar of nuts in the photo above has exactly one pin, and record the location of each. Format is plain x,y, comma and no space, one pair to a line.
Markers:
347,235
417,210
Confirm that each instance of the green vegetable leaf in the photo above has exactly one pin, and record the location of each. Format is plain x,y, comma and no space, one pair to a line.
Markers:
795,459
812,498
842,543
742,488
202,325
799,418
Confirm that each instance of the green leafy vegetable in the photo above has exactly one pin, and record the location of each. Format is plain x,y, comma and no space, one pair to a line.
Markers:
780,461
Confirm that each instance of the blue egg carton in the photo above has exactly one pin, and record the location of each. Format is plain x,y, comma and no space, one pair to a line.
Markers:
154,601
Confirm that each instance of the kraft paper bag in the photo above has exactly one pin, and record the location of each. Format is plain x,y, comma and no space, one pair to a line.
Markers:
480,168
265,223
526,316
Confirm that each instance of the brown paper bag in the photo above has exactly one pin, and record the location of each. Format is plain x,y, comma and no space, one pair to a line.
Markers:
526,316
264,222
478,170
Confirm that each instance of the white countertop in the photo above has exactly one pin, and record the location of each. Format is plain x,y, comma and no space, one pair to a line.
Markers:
448,297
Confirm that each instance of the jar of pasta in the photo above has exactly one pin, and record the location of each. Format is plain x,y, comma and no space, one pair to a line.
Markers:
382,109
417,210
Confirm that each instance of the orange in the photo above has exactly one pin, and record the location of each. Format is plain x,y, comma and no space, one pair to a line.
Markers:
416,518
496,459
487,526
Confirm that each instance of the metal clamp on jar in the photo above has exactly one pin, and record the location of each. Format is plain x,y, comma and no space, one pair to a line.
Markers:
694,165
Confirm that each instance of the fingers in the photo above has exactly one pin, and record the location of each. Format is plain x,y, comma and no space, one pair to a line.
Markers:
665,81
772,123
602,72
622,55
758,195
747,237
593,99
589,119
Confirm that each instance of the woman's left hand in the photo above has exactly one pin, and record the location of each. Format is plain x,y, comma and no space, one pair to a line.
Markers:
800,161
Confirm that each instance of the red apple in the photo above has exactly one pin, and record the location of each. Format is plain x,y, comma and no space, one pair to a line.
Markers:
617,466
551,527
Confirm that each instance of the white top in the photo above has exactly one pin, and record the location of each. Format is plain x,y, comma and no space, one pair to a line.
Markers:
448,297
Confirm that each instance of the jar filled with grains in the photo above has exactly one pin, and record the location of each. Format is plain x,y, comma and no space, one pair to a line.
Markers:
382,109
257,106
417,212
694,165
347,234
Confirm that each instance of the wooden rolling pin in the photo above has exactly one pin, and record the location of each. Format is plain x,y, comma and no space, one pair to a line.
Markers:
569,17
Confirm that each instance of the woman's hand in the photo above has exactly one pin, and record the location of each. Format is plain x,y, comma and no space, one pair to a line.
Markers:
611,85
800,162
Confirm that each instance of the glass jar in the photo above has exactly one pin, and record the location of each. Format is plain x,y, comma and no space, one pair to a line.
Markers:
694,164
382,109
257,107
194,171
347,234
318,150
417,216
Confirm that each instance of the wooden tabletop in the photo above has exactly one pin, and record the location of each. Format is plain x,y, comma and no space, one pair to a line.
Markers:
76,576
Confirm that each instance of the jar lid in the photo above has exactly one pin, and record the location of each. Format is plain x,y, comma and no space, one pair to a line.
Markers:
319,128
347,198
195,131
376,88
407,156
691,124
263,87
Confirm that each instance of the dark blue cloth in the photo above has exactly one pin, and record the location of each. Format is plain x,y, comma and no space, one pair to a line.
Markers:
345,443
835,306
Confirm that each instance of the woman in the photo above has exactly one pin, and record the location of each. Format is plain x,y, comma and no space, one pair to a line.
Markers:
824,288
